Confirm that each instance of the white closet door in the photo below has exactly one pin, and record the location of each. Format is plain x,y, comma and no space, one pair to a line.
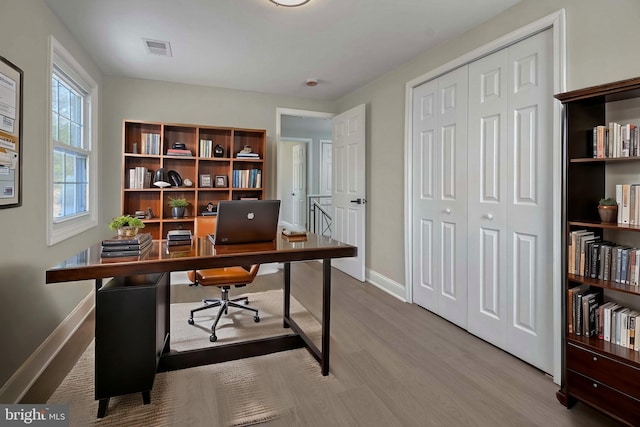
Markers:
440,196
510,191
530,181
488,198
425,201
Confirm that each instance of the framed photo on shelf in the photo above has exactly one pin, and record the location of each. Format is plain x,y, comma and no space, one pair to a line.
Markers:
205,180
221,181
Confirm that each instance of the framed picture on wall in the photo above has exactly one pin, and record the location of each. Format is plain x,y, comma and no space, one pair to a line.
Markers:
221,181
205,180
10,134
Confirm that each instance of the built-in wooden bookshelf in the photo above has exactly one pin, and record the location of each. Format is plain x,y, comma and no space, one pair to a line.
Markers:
600,373
147,145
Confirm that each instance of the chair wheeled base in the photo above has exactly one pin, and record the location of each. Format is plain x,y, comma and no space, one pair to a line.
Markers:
224,303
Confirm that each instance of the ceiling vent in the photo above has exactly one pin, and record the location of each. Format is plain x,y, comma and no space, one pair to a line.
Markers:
157,47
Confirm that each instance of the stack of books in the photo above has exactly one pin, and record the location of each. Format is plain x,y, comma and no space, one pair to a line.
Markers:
178,237
178,152
244,155
126,246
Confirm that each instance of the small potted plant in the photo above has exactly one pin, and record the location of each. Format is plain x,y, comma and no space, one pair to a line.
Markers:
177,207
126,225
608,210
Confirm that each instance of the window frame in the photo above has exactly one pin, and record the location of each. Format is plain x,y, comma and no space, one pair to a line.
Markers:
61,62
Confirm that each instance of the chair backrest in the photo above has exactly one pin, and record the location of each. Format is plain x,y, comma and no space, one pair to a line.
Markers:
205,225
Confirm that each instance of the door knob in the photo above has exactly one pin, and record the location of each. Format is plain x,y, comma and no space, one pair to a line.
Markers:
447,211
359,201
489,217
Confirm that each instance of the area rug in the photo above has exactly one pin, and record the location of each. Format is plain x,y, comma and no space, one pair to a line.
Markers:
236,393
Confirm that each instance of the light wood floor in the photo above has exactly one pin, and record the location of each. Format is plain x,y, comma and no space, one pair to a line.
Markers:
397,365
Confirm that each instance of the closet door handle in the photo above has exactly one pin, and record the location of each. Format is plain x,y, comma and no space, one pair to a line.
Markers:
447,211
489,217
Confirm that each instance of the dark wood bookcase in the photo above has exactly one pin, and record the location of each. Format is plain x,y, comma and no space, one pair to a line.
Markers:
137,153
599,373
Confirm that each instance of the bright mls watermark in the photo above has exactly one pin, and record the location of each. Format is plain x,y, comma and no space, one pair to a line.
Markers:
34,415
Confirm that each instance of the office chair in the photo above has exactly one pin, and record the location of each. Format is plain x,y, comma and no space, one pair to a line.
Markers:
224,278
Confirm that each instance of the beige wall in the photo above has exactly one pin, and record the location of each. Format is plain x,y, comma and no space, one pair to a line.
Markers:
29,309
136,99
598,35
601,43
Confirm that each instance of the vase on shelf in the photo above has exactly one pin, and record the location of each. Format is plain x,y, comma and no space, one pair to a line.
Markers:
127,231
177,212
608,213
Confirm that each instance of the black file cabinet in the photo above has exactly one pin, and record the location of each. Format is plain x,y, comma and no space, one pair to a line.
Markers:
131,333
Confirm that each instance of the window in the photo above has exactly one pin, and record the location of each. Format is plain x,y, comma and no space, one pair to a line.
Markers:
73,145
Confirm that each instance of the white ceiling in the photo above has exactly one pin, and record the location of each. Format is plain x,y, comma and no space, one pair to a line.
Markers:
257,46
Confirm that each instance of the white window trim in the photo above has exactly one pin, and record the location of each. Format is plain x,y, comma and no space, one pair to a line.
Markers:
59,230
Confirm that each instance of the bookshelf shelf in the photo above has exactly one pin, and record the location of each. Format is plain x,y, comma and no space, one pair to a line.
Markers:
603,373
605,160
605,225
145,146
604,284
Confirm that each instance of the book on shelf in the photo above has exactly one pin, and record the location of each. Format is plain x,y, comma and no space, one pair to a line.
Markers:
606,322
149,143
139,177
590,308
632,330
616,140
127,240
246,178
570,301
206,148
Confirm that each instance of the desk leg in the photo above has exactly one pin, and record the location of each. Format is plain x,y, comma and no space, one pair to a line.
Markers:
326,314
103,404
102,407
167,316
287,294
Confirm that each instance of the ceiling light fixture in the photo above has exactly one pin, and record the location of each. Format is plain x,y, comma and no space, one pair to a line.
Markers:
289,3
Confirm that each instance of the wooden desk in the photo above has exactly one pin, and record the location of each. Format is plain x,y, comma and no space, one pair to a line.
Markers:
202,254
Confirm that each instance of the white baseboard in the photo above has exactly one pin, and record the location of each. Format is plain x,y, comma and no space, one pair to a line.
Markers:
391,287
20,382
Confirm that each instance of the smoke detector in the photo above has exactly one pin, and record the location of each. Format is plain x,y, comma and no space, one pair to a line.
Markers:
157,47
311,82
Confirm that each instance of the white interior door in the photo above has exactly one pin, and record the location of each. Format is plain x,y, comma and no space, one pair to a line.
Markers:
440,196
510,204
325,167
530,182
488,141
348,193
299,184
